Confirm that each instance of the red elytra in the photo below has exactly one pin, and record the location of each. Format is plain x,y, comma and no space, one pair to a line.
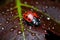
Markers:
28,16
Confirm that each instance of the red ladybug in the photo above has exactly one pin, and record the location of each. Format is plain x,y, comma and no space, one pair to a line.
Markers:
31,18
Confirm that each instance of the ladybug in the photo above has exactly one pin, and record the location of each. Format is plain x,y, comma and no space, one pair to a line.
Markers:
31,18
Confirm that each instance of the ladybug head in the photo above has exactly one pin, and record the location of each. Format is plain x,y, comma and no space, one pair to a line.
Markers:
36,21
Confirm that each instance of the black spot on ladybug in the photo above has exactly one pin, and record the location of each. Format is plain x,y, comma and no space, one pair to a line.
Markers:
28,19
26,16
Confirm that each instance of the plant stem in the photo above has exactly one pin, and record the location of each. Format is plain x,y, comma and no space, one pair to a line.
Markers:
18,4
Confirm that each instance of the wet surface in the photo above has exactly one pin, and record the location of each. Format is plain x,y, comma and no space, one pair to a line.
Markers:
10,28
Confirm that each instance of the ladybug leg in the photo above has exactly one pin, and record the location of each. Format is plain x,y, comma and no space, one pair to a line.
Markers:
27,23
31,24
24,21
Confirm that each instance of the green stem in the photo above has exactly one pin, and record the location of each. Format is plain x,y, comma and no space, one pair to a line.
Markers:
18,4
26,5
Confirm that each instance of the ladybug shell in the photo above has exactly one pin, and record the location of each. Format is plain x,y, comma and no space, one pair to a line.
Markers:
28,16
